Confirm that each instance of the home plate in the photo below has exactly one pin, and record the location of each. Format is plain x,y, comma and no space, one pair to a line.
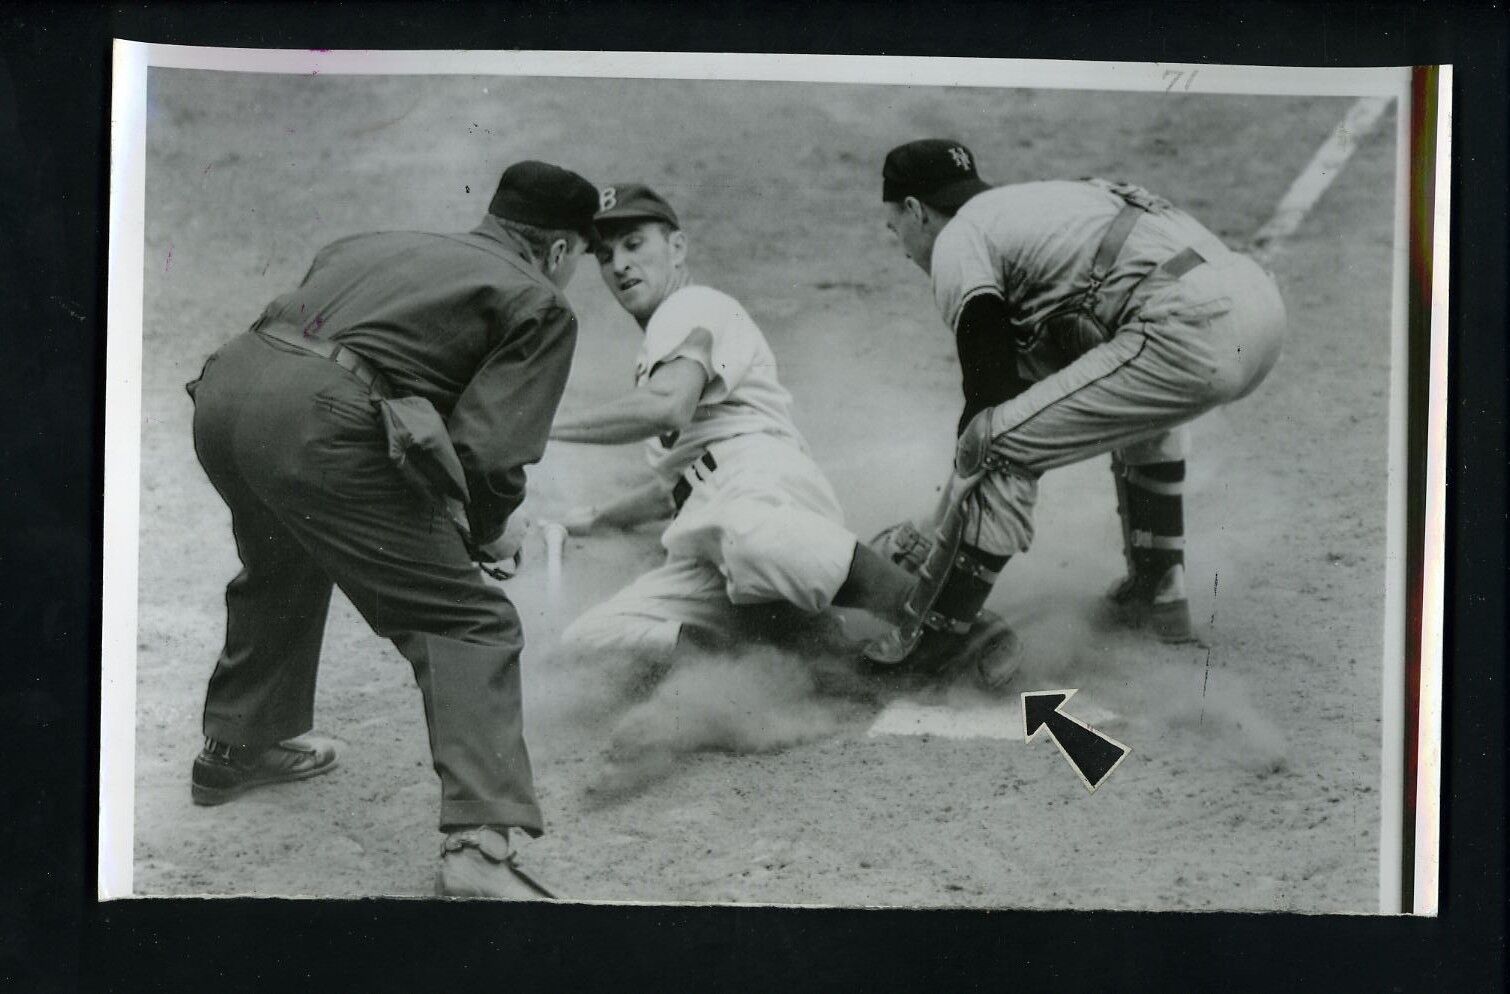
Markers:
994,721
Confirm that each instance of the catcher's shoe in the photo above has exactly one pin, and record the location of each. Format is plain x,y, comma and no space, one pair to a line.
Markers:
222,772
986,654
479,862
996,656
1156,603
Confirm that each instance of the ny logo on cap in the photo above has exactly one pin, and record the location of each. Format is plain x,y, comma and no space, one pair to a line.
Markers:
608,198
961,157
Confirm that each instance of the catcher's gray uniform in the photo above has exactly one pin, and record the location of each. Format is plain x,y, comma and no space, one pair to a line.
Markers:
1128,319
1182,344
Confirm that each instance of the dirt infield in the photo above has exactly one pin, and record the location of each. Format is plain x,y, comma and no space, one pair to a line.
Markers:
1253,783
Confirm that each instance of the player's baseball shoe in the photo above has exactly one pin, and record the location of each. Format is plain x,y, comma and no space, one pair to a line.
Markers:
1157,604
222,772
479,862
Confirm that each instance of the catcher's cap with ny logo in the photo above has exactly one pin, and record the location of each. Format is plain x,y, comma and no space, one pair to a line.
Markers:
938,171
624,201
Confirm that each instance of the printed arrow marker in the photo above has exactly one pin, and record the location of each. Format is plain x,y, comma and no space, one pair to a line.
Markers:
1092,754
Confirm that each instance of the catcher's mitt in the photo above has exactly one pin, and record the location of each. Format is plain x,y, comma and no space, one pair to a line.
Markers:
904,545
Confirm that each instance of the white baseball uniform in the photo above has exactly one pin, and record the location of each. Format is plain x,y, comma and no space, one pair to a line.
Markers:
760,523
1182,344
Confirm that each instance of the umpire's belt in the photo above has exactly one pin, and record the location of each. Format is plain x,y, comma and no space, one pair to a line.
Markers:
335,352
683,488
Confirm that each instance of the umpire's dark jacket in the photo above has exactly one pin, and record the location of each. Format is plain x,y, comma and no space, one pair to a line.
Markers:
293,443
462,320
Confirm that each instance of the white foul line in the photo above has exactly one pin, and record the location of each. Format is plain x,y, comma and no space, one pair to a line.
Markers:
910,718
1313,181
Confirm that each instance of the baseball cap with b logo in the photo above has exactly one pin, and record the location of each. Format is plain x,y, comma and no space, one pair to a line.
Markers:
625,201
938,171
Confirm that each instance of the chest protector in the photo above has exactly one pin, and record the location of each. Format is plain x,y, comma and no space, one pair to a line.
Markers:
1081,322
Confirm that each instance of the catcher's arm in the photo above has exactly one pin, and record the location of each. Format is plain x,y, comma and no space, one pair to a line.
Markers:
988,350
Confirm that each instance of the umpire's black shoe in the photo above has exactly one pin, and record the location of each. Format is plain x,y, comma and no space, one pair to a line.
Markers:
222,772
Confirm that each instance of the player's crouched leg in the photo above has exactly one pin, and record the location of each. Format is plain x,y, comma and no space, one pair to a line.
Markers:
622,656
1238,336
629,641
604,630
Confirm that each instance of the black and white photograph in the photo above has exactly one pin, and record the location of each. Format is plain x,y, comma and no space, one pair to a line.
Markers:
801,481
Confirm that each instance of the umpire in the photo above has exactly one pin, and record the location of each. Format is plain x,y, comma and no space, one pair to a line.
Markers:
286,426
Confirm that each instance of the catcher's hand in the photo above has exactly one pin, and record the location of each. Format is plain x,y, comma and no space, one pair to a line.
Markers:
904,544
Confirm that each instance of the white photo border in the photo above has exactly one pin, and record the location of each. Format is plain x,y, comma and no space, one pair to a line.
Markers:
132,60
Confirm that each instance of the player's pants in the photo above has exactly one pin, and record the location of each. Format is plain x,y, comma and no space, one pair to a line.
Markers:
764,527
295,448
1204,340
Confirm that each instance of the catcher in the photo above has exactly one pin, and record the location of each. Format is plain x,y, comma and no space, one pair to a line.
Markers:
753,519
1089,317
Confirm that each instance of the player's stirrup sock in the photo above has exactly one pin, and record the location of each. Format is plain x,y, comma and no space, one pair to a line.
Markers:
1156,518
1151,501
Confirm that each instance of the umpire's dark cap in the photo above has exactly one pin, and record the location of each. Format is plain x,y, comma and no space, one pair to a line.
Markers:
545,196
938,171
633,201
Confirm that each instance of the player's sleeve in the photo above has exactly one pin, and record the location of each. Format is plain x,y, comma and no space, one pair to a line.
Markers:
710,329
502,419
961,268
987,355
968,291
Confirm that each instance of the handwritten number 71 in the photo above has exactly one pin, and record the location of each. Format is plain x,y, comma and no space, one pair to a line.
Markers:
1175,75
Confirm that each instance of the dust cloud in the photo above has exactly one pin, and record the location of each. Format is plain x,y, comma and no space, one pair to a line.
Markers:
645,714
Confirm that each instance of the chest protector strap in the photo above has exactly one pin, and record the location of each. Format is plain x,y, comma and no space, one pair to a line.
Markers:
1075,326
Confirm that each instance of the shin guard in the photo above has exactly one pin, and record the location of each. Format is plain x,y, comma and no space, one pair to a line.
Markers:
955,579
1150,502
